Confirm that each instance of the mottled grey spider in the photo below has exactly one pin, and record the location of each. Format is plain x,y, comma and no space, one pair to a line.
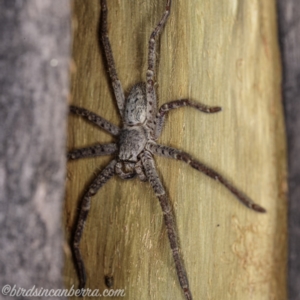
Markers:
136,144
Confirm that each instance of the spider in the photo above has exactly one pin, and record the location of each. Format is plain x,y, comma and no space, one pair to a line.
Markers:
136,145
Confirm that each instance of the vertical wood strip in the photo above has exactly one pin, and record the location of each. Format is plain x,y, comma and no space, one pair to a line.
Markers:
220,54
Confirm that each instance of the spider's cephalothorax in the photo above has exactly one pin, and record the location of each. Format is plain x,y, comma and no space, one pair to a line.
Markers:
136,145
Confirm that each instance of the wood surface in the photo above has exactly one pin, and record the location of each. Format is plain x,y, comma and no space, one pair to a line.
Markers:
218,53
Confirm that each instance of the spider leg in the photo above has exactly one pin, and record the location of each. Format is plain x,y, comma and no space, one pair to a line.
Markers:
150,91
187,158
159,190
165,108
116,84
97,183
95,119
93,151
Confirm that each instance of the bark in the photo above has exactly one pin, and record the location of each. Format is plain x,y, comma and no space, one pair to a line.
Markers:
34,64
289,28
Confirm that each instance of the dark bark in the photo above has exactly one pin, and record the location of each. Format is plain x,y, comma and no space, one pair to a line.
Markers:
34,63
289,32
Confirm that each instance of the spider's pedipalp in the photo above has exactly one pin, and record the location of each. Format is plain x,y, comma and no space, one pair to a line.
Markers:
93,151
97,183
151,173
139,169
187,158
129,172
95,119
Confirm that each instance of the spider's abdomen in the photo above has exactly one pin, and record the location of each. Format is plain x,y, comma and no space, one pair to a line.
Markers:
132,141
136,105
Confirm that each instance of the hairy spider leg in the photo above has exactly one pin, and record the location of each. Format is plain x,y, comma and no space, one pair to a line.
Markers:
165,108
98,149
160,192
97,183
116,84
95,119
187,158
93,151
150,91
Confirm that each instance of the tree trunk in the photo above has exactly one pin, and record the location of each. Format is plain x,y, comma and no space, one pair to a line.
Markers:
34,67
289,13
223,54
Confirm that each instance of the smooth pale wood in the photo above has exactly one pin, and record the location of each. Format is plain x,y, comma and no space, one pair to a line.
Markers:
218,53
